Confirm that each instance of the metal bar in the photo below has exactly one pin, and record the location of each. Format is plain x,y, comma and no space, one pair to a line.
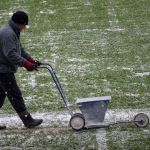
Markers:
58,85
97,126
55,78
126,121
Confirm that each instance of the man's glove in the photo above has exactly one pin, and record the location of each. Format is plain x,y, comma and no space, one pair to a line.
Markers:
30,66
30,59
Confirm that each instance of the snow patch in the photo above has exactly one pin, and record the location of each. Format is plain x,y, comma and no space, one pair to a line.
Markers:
132,95
62,118
77,60
11,13
115,29
113,21
72,8
126,68
44,2
32,81
50,12
41,12
142,74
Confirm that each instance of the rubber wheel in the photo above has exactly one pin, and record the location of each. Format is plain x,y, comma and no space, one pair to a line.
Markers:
142,120
77,121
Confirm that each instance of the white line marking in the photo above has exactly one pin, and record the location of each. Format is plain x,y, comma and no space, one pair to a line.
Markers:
62,118
114,23
101,139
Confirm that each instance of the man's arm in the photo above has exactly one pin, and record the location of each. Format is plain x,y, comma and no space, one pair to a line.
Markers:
10,51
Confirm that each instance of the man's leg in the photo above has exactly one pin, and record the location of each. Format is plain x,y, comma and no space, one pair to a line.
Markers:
2,98
13,92
15,97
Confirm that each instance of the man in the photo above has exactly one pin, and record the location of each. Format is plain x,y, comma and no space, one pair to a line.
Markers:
12,55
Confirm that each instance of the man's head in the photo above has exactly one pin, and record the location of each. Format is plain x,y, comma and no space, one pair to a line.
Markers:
20,18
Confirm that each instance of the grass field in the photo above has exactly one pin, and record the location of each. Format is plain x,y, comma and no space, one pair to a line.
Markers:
98,47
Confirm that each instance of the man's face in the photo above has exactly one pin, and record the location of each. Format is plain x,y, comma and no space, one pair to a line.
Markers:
21,27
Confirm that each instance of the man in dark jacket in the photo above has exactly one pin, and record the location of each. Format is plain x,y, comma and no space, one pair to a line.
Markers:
12,55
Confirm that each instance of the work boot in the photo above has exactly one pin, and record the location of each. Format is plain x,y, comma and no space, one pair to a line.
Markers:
2,127
28,121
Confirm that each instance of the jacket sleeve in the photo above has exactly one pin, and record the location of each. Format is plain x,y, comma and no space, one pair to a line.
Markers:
10,51
24,54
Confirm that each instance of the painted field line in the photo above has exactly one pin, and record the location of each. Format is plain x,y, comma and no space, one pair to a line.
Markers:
101,139
61,119
116,115
114,22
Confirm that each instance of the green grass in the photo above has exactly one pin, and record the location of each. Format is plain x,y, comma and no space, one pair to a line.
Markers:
33,140
131,138
91,57
97,48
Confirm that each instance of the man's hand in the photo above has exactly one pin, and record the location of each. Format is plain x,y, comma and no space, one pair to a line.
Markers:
30,66
37,63
31,60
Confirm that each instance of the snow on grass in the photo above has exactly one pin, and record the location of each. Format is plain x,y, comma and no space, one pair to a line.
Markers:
107,86
32,80
77,60
127,68
132,95
4,14
87,2
88,40
72,8
142,74
129,139
115,30
11,13
61,119
50,12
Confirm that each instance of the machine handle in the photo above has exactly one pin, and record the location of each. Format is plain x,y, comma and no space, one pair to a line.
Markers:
58,84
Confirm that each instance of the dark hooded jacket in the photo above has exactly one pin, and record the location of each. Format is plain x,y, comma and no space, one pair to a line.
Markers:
12,54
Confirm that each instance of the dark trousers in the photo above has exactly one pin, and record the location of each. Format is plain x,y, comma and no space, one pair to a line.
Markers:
9,88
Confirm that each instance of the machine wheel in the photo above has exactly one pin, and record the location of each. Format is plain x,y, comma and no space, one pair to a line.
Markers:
77,121
141,120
